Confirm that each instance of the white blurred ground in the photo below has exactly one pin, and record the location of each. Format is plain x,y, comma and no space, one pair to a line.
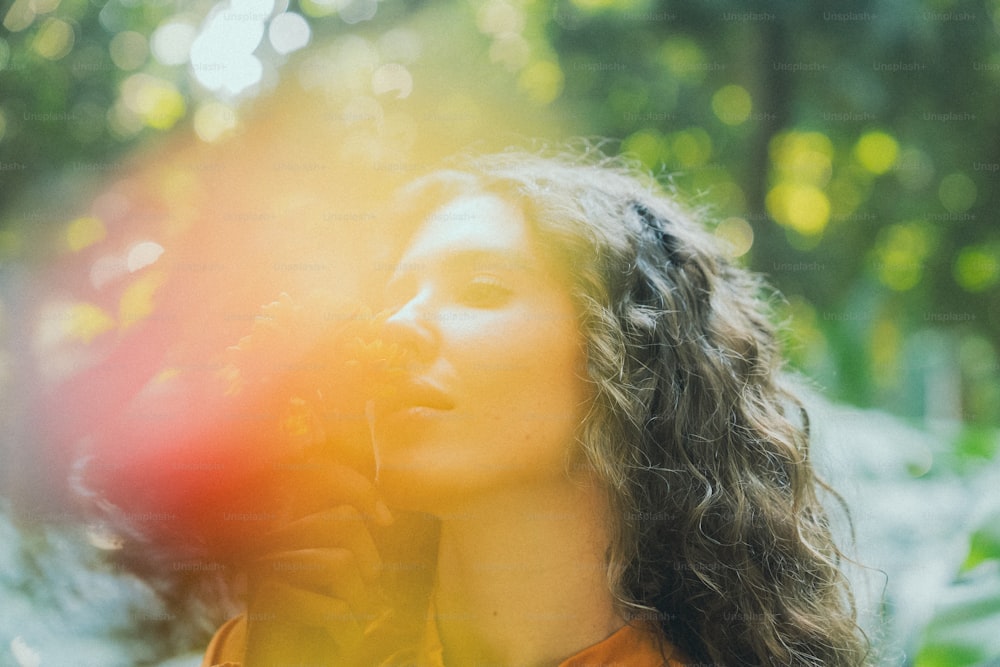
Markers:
911,515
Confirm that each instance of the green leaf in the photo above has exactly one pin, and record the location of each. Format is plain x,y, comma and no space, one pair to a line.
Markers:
977,443
963,632
984,543
947,656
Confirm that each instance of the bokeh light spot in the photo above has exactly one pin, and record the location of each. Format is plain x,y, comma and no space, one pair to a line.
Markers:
172,42
288,32
400,45
977,268
107,269
901,251
142,255
497,17
77,322
84,232
732,104
542,81
321,8
691,147
648,145
510,50
876,152
684,59
805,157
957,192
802,208
166,375
594,5
45,6
102,538
356,59
24,654
129,50
156,102
123,123
736,235
136,303
221,55
54,39
357,11
728,195
392,77
213,121
20,16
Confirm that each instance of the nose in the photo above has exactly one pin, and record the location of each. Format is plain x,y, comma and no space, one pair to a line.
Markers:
412,328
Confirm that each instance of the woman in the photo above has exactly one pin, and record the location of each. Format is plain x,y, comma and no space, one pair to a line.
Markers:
593,413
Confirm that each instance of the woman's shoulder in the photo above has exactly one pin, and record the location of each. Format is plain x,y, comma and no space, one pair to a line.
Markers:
228,646
635,645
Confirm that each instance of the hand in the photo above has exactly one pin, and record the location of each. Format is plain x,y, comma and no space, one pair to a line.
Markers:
314,588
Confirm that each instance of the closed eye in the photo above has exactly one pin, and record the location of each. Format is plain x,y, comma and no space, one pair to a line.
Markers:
485,291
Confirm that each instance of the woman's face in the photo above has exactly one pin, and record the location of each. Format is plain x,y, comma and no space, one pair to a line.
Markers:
494,389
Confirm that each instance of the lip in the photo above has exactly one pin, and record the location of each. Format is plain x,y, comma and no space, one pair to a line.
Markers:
416,396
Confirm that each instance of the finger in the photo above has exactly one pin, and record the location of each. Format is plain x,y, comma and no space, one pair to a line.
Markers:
330,572
337,527
314,485
278,606
270,643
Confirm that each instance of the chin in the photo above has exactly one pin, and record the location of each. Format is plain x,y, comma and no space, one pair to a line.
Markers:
438,491
436,488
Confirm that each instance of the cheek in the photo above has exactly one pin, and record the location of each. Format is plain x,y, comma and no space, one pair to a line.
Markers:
523,397
531,379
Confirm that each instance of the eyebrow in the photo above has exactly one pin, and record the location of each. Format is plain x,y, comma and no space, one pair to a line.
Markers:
494,259
484,259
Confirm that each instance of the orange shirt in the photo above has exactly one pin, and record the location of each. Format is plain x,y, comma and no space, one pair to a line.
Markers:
631,646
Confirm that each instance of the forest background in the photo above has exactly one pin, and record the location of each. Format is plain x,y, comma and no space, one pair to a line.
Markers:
848,151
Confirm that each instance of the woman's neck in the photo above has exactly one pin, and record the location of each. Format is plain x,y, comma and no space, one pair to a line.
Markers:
522,580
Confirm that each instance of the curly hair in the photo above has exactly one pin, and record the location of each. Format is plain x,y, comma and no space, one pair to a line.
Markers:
719,536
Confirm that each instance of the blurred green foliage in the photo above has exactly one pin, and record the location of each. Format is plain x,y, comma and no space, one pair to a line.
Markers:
963,631
851,152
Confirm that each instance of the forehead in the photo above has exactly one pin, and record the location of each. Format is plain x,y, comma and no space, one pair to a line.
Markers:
473,224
